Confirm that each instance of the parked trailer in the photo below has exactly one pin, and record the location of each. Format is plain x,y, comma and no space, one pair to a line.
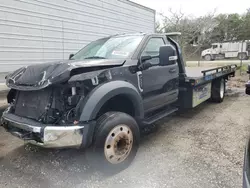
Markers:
105,94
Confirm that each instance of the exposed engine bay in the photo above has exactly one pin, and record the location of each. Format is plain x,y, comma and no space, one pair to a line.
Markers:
52,105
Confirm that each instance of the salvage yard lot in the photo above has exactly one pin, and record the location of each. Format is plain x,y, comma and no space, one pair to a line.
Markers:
201,148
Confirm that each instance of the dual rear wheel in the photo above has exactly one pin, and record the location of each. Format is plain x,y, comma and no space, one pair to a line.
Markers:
218,90
242,56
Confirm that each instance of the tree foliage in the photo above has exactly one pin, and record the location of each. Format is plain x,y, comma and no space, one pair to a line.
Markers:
204,30
231,27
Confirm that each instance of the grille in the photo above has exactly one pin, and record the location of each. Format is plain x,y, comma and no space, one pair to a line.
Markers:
32,104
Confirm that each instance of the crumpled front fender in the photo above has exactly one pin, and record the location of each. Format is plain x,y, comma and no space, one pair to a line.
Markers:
102,93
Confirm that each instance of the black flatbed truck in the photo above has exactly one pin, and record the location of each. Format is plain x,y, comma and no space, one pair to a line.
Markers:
105,94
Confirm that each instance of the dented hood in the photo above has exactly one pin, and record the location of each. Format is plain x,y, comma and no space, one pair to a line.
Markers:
38,76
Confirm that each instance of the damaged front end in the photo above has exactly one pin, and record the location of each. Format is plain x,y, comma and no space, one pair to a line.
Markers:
45,117
45,103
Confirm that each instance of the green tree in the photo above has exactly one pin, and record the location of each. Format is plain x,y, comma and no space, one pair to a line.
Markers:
199,33
244,33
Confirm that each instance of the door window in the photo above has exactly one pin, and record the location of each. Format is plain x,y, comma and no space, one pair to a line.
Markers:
215,46
152,49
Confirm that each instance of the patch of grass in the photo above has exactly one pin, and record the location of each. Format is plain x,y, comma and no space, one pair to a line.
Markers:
244,68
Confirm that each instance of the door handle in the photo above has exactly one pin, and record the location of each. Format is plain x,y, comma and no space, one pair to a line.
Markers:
172,70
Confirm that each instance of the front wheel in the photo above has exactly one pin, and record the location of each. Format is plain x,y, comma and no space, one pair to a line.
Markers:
208,57
115,142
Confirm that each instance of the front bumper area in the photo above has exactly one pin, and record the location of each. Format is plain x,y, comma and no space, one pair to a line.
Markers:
48,136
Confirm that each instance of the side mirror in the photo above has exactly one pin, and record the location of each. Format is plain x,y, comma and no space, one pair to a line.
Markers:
167,55
71,55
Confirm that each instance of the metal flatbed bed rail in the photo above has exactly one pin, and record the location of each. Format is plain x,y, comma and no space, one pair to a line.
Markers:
230,67
211,74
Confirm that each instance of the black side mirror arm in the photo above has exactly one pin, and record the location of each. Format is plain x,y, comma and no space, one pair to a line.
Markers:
145,66
142,65
71,55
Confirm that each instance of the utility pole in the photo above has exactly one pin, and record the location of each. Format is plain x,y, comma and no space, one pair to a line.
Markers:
241,57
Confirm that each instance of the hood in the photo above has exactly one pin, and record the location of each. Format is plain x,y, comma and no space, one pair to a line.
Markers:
206,51
38,76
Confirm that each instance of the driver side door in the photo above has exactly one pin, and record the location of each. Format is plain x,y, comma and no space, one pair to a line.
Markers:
159,83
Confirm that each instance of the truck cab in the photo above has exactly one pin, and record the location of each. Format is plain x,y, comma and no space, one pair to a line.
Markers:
208,54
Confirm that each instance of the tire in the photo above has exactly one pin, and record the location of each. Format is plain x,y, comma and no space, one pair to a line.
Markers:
242,56
115,142
218,90
208,57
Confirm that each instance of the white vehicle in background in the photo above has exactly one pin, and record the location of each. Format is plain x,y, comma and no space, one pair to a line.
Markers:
240,50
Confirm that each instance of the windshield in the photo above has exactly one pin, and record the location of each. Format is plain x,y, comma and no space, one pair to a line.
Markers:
119,47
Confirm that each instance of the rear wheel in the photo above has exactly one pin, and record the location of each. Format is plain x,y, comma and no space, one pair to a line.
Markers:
218,90
115,143
242,56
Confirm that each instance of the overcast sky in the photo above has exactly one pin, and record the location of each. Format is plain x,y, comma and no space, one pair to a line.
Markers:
197,7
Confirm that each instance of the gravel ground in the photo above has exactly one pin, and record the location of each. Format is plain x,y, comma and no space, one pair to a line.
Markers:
201,148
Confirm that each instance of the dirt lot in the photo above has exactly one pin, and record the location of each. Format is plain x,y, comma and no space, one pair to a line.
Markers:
202,148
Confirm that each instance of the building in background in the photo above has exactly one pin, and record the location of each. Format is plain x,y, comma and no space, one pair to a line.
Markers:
34,31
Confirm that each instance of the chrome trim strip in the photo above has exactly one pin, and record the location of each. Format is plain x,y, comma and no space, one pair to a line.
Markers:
24,126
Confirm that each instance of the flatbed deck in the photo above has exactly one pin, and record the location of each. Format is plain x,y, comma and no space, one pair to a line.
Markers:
200,75
196,72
